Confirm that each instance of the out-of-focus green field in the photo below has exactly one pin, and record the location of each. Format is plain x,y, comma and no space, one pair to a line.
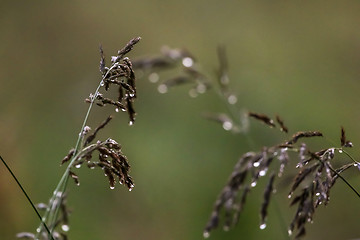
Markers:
298,59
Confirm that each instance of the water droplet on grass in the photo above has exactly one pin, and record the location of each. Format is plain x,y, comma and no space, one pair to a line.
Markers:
256,164
193,93
65,227
201,88
263,226
187,62
262,173
227,125
232,99
162,88
153,77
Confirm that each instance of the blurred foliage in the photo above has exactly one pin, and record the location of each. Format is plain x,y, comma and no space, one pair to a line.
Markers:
299,59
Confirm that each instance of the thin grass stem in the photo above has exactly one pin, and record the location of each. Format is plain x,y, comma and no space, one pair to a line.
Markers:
62,185
27,197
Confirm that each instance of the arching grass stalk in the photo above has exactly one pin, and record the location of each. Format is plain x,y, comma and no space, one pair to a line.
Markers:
52,210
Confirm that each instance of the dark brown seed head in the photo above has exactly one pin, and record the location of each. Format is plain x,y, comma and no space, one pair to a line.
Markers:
263,118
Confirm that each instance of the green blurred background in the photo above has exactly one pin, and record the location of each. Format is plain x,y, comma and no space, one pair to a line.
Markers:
299,59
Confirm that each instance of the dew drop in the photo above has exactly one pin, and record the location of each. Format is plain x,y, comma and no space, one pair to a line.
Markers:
290,232
154,77
102,83
162,88
132,94
206,234
232,99
355,164
290,195
227,125
112,187
317,194
78,184
256,164
187,62
262,173
65,227
130,189
340,151
253,184
38,229
263,226
193,93
201,88
131,123
78,165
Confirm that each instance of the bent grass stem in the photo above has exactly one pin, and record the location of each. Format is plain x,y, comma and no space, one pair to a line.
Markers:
51,214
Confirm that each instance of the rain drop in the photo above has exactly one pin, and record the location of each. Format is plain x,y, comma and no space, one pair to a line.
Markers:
256,164
227,125
232,99
154,77
187,62
263,226
262,173
162,88
65,228
193,93
201,88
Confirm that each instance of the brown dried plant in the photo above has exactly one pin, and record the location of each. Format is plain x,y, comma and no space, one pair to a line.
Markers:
316,174
120,74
